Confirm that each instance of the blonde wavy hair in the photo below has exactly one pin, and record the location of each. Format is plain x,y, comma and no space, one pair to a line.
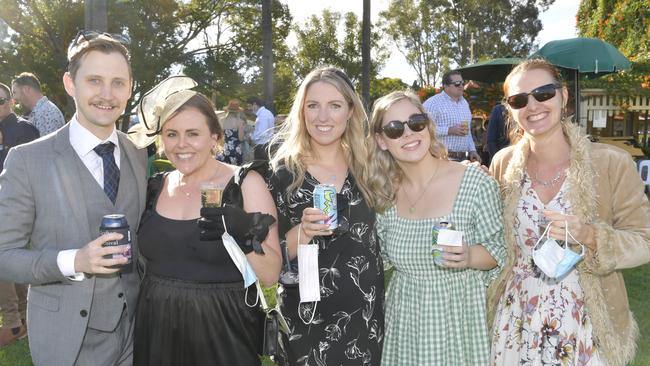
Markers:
294,143
385,175
515,132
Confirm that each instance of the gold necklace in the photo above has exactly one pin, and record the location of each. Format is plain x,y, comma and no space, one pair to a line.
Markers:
426,186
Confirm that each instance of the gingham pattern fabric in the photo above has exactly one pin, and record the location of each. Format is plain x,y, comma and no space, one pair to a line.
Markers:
446,113
437,315
111,171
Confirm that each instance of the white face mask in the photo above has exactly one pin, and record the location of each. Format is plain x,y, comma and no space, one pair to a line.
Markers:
308,276
554,260
238,257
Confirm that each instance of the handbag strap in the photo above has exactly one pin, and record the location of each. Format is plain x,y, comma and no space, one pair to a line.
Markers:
265,306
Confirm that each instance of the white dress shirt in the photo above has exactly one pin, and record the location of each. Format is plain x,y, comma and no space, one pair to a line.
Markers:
83,142
446,112
264,125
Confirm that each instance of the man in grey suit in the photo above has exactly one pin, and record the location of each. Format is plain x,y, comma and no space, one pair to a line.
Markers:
53,194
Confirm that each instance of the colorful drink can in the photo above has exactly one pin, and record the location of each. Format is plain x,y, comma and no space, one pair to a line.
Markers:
116,223
436,250
325,200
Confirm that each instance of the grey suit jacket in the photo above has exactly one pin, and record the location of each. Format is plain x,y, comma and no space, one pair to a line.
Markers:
42,212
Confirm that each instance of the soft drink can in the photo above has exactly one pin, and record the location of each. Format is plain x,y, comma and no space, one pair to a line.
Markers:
436,250
116,223
325,200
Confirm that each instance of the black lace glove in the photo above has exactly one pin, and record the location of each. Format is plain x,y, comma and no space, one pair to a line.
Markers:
248,229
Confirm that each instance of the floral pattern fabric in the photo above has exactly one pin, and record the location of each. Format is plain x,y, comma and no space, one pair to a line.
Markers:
231,153
539,320
347,326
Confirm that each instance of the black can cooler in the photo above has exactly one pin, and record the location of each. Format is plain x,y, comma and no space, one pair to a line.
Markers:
116,223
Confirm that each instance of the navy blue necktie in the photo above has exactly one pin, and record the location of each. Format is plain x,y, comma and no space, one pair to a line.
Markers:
111,171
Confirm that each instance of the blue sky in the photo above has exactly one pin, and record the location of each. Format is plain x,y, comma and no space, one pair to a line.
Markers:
558,23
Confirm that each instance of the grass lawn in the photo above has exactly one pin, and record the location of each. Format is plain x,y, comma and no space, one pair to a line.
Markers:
637,282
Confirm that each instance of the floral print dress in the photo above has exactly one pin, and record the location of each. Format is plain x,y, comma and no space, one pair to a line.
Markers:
347,326
539,320
232,153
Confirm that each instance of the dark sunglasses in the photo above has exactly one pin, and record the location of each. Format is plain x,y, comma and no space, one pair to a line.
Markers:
541,94
3,101
457,83
395,129
87,35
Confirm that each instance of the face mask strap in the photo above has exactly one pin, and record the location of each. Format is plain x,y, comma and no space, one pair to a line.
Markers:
582,253
545,233
223,219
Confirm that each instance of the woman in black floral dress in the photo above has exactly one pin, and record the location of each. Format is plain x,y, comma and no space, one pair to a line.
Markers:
322,142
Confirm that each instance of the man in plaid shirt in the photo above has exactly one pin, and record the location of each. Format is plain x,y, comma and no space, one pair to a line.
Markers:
452,116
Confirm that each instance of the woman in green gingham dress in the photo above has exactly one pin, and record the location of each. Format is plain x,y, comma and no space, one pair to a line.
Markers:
435,314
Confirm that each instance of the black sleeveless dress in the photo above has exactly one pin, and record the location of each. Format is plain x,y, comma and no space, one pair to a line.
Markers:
191,308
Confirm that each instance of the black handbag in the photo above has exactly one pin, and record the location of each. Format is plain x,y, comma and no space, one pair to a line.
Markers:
274,326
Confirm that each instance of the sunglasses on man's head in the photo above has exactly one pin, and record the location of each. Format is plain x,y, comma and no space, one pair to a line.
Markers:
88,35
395,129
541,94
3,100
457,83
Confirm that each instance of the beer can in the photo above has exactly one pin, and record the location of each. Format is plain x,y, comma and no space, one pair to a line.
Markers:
116,223
436,250
325,200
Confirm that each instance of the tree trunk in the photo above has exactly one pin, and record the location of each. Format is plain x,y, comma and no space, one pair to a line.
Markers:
95,17
365,55
267,53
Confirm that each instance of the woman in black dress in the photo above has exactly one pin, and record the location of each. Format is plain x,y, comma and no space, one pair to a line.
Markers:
322,141
193,308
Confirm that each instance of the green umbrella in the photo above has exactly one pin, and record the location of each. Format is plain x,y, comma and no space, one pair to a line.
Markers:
591,57
489,71
586,55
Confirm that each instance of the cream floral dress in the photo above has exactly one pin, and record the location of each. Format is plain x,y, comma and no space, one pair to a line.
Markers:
541,321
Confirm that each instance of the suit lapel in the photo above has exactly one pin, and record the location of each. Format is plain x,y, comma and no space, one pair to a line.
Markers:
67,169
129,156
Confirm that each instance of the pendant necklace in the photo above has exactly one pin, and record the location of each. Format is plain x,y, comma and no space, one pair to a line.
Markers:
426,186
550,182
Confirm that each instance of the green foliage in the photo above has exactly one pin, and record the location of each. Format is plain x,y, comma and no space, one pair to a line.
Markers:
433,34
626,25
383,86
234,68
218,40
638,288
623,23
319,44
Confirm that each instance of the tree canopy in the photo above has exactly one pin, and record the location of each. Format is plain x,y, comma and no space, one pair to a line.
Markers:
626,25
320,43
434,34
219,41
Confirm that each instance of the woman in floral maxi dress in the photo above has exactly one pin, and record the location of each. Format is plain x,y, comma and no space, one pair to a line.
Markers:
554,173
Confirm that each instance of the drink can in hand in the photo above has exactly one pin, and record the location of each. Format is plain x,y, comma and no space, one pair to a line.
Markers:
436,250
325,200
116,223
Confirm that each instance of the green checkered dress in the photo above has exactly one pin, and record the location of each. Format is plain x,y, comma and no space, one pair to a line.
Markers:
437,315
